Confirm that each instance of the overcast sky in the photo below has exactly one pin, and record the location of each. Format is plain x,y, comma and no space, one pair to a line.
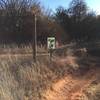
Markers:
53,4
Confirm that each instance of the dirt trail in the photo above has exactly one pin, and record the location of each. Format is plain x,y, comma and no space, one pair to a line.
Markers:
71,88
68,89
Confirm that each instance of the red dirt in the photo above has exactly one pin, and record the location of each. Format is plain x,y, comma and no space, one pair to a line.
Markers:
70,87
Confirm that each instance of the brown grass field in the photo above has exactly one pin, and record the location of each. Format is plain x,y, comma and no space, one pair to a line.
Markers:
67,77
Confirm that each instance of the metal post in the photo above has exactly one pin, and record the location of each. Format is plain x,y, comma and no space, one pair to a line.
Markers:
50,55
35,40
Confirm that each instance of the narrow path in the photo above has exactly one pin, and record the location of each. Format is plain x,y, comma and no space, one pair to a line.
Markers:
68,89
26,54
71,87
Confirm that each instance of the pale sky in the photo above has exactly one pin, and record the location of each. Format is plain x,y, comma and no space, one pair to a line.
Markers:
53,4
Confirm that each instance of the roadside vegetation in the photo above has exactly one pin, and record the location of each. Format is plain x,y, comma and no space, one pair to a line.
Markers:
73,73
22,79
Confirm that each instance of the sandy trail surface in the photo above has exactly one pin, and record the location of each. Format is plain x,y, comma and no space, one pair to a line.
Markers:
71,87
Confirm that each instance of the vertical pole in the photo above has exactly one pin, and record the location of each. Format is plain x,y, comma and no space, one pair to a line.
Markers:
35,39
50,55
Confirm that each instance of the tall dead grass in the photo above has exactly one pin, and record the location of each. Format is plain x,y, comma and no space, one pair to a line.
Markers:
22,79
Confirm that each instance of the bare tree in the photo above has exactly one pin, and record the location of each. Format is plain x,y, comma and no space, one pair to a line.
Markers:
18,18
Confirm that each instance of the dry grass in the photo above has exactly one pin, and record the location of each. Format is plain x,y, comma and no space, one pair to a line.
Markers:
22,79
22,49
93,92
